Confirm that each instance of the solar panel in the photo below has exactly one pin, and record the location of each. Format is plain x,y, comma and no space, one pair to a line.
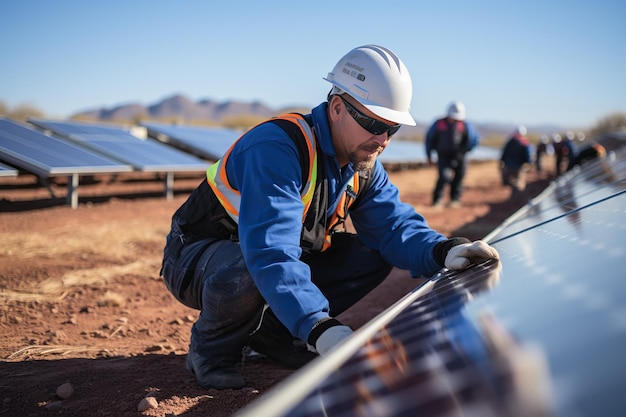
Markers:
143,155
206,142
540,333
46,156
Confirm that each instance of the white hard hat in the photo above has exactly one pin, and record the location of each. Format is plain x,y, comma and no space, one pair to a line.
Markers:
456,111
521,130
377,78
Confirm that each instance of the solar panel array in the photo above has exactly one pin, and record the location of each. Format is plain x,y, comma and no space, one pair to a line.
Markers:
540,333
143,155
46,156
212,143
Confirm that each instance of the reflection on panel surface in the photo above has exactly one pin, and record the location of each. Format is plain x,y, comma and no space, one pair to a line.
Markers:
543,332
576,189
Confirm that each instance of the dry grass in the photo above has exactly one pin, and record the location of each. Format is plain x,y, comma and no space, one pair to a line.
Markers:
39,351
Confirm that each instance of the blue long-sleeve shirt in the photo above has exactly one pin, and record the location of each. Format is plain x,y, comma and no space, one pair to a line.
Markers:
265,167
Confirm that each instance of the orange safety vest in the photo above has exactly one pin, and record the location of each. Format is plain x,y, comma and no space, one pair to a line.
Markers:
230,198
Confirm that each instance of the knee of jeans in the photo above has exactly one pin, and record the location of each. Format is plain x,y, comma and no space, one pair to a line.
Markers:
174,279
231,291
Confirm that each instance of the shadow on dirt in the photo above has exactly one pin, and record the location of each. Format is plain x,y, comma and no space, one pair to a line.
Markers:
116,386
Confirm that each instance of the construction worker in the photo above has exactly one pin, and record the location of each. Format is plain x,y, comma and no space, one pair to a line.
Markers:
260,247
564,151
515,161
451,137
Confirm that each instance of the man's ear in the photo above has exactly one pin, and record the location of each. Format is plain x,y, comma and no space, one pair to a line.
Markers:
334,108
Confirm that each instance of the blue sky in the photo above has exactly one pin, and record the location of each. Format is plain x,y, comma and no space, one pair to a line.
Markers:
530,62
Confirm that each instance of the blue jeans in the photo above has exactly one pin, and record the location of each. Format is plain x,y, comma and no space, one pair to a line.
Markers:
210,275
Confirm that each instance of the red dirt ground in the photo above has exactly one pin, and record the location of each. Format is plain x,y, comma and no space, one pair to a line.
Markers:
81,301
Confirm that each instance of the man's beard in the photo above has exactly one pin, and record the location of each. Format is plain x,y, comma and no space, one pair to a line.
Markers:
364,164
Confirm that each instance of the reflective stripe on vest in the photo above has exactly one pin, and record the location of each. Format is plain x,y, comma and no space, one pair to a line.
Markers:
230,198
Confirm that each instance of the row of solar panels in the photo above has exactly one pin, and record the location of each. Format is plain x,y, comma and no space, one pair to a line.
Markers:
54,148
212,143
540,333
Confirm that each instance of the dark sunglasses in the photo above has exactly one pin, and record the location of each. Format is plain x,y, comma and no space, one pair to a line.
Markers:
375,127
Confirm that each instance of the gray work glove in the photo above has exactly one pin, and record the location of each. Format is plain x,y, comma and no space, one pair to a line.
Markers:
463,255
331,338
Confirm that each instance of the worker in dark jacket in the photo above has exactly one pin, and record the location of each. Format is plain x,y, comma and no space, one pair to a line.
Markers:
451,137
515,160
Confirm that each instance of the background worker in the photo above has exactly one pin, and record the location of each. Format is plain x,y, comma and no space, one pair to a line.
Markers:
260,248
543,148
564,151
451,137
515,161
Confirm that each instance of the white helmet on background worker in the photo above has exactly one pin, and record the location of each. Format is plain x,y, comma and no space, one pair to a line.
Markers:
377,78
456,111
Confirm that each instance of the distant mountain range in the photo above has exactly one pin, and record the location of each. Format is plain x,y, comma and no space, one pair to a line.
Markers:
185,111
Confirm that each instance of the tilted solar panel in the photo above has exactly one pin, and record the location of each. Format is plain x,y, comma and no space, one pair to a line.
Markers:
206,142
143,155
540,333
46,156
